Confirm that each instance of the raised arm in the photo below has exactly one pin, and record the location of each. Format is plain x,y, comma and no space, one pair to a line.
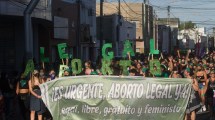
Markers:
178,53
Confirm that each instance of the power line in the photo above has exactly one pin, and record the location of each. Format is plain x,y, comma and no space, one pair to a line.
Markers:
130,8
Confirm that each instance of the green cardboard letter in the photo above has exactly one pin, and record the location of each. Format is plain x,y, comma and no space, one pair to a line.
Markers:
29,67
152,47
106,67
108,56
42,55
155,67
62,69
62,50
127,48
125,64
76,66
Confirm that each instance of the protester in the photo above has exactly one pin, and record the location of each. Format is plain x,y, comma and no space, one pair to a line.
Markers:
8,90
1,106
133,72
42,72
66,73
201,77
22,90
175,73
194,102
139,69
52,74
88,68
36,104
211,93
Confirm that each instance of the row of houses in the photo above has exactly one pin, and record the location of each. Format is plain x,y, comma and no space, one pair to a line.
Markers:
76,22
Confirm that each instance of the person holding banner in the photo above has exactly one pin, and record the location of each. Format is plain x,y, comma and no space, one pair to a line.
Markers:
194,101
52,75
36,103
66,73
88,68
139,69
175,73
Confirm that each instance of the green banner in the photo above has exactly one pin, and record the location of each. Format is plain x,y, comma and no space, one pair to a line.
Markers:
116,98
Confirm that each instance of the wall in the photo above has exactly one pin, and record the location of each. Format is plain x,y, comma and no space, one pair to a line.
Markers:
16,8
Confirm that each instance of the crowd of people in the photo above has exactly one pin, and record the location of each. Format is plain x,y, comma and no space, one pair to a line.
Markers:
23,91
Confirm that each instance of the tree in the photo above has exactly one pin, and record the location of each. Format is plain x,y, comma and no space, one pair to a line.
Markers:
187,25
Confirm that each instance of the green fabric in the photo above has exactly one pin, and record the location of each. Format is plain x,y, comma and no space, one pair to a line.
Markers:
29,67
124,98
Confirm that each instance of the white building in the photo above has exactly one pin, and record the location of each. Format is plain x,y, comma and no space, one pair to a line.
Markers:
190,37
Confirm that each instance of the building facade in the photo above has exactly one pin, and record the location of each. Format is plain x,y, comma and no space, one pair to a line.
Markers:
12,35
75,24
141,14
127,31
167,34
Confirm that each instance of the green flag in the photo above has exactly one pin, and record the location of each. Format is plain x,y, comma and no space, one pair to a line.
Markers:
29,67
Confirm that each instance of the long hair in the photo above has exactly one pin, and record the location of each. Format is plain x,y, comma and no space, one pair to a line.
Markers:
33,79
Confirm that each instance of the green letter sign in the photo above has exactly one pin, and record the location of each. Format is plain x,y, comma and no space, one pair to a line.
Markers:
62,50
76,66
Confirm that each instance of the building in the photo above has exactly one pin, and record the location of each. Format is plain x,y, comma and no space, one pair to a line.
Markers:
193,39
134,12
164,33
127,31
12,36
167,33
75,24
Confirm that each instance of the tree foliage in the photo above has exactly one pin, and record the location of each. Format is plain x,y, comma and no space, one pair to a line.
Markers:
187,25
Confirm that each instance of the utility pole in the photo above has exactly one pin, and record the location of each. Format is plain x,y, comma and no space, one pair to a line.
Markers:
118,26
168,10
78,43
144,25
101,26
